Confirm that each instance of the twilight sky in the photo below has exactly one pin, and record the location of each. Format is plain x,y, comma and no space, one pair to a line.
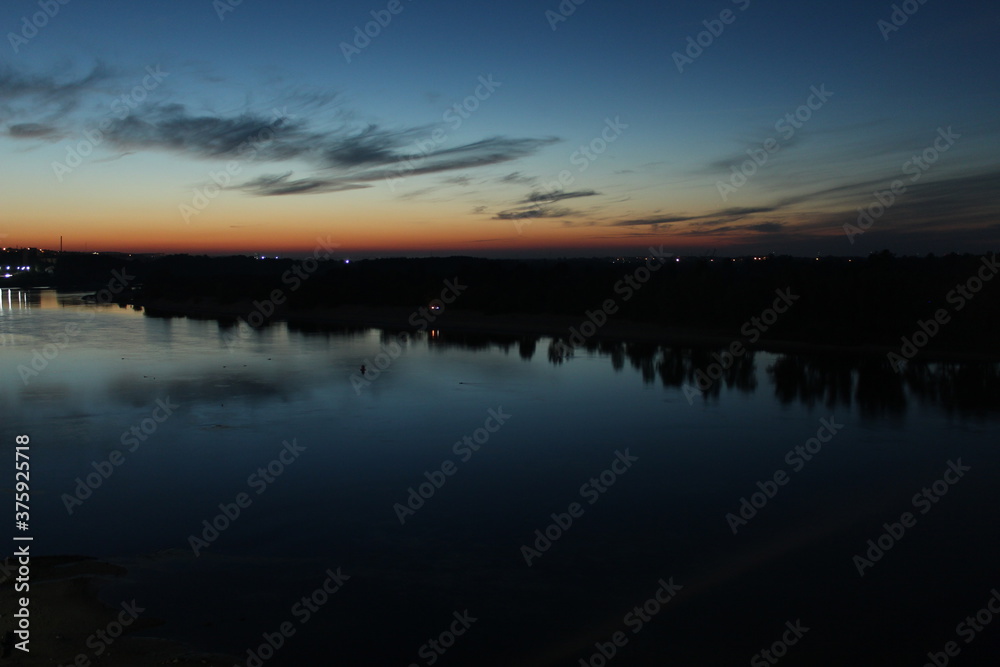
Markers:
500,128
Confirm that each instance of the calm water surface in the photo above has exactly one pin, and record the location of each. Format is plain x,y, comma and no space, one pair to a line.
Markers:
664,516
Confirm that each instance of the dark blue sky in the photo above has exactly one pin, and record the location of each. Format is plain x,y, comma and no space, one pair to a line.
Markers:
371,148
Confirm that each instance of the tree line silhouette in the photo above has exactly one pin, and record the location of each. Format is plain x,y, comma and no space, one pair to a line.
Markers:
843,301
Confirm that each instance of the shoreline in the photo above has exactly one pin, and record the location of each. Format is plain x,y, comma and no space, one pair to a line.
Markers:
398,318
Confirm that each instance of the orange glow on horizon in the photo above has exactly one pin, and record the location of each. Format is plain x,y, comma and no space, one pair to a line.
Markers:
346,244
361,236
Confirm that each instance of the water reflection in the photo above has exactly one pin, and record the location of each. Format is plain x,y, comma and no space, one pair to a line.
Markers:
969,388
17,299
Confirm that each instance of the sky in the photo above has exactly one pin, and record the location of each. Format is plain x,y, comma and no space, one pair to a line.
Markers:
522,128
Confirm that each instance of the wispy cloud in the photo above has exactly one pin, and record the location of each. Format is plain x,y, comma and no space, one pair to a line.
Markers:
541,205
716,230
517,178
33,131
345,156
660,220
534,212
45,93
477,154
283,184
548,197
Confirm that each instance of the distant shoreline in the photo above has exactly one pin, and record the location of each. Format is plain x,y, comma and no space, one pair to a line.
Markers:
398,318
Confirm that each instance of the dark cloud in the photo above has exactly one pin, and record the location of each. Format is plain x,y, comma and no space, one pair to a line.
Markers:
705,224
742,212
550,197
281,184
477,154
662,220
45,89
46,99
540,205
517,178
766,227
371,146
33,131
712,230
726,164
534,212
940,205
414,194
171,127
950,213
344,157
494,150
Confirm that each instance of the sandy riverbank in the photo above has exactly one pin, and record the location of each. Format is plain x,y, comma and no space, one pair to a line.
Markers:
68,623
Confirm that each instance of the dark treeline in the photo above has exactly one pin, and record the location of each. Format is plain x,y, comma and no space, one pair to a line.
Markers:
862,301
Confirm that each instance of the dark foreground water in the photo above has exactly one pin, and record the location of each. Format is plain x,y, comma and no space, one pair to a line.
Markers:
647,488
